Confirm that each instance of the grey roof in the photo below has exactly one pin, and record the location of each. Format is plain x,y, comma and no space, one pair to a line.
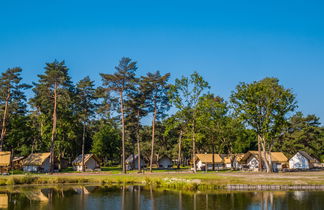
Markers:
130,158
307,156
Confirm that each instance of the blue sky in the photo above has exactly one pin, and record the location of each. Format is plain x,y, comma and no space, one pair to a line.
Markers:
225,41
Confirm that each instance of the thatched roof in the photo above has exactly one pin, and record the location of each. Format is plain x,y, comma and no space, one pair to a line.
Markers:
5,158
308,157
36,159
78,160
275,156
208,158
239,156
227,158
18,158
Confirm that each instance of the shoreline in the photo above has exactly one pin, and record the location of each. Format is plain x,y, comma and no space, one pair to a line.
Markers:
180,181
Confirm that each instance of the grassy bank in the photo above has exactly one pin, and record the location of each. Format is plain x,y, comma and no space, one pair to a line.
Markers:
184,180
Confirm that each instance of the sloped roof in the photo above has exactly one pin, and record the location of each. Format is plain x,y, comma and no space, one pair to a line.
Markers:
130,158
275,156
5,158
227,158
18,158
36,159
78,160
307,156
239,156
164,156
278,157
208,158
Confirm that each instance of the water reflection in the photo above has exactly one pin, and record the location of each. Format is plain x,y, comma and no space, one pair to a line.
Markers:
140,197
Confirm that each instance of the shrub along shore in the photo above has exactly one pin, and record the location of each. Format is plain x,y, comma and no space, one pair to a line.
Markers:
181,181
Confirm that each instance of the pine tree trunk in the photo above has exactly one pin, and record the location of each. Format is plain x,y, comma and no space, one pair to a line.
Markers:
194,148
83,142
138,144
4,119
153,136
123,131
53,129
179,149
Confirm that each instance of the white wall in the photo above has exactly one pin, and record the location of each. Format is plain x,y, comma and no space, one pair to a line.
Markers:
252,162
298,161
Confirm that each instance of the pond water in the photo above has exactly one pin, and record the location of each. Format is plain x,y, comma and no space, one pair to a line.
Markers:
139,197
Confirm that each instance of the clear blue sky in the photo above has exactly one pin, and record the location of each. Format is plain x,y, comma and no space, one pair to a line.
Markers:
226,41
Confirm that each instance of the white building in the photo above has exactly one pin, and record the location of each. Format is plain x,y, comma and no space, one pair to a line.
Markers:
165,162
251,160
237,164
91,163
301,160
132,162
203,160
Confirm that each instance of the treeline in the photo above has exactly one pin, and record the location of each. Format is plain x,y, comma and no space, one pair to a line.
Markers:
69,119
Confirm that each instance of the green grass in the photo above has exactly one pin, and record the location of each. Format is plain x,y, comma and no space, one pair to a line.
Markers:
161,179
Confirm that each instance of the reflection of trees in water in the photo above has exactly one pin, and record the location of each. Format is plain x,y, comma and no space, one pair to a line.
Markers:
139,197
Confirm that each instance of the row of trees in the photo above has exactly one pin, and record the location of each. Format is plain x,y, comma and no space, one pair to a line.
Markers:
111,120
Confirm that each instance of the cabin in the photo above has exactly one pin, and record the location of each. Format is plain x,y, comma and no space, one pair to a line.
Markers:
203,160
37,162
302,160
132,162
17,162
5,161
165,162
228,160
237,161
91,163
251,160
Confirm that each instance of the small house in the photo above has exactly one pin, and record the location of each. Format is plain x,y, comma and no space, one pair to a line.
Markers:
302,160
17,162
165,162
237,161
251,160
206,160
228,160
91,163
132,162
37,162
5,161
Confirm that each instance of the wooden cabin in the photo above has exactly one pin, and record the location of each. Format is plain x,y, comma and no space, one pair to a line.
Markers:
91,163
251,160
5,161
237,161
17,162
203,160
37,162
302,160
132,162
165,162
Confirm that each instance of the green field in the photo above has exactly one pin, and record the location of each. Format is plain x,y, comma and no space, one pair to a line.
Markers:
169,178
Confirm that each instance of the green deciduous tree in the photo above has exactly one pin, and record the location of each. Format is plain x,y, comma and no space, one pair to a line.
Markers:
264,105
185,94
